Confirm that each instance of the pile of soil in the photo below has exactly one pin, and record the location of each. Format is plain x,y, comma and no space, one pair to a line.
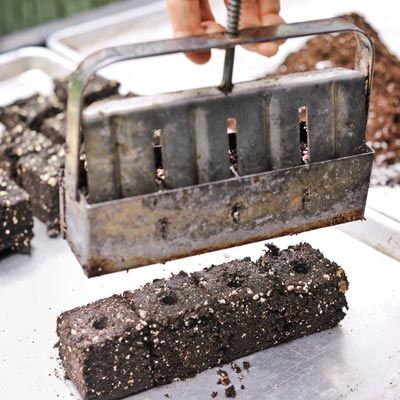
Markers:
383,133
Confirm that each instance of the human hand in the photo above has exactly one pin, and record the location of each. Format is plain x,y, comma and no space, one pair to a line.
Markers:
195,17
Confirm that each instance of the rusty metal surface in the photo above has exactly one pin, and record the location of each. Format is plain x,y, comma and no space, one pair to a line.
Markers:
102,58
267,117
161,226
108,235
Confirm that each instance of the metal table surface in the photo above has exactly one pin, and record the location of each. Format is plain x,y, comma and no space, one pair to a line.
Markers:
358,360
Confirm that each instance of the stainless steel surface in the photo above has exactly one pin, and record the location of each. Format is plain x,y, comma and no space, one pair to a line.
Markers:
386,200
30,70
359,360
381,230
378,230
232,29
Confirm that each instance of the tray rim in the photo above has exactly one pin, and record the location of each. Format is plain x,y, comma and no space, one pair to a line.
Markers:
56,41
32,52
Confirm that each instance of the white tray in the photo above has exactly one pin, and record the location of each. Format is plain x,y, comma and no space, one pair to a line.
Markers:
358,360
381,229
30,70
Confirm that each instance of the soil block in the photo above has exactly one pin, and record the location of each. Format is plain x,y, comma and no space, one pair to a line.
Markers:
15,216
97,89
103,349
55,128
31,111
184,338
20,142
188,323
38,174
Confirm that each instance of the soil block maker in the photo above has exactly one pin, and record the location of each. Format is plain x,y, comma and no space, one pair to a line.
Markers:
121,219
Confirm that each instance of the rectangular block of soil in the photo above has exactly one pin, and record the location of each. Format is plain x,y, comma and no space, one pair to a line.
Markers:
184,335
15,216
30,111
310,289
247,306
20,142
103,349
189,323
55,128
38,174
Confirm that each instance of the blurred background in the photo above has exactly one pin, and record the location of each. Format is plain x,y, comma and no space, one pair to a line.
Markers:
21,14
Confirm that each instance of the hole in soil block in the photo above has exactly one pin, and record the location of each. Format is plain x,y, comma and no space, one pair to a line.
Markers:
235,281
101,323
231,126
303,126
158,161
300,267
169,299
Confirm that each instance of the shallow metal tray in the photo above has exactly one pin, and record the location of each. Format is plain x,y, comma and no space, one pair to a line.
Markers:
359,360
30,70
381,228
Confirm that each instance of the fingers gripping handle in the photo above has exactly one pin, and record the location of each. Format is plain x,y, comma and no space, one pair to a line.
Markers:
102,58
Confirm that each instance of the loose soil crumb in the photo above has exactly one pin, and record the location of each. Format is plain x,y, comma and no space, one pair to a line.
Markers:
214,394
223,378
236,368
242,387
230,392
246,365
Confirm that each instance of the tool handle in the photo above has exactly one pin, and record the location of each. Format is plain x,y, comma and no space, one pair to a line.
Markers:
105,57
234,8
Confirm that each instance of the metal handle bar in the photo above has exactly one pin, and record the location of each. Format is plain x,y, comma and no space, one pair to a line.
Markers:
105,57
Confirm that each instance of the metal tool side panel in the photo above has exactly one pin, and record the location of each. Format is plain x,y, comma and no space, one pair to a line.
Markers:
212,146
350,114
178,148
134,156
104,181
76,227
195,125
158,227
252,133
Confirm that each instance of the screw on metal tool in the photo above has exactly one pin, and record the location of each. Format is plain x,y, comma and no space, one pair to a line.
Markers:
233,7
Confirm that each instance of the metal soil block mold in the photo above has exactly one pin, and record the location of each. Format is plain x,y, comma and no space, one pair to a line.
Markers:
284,179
